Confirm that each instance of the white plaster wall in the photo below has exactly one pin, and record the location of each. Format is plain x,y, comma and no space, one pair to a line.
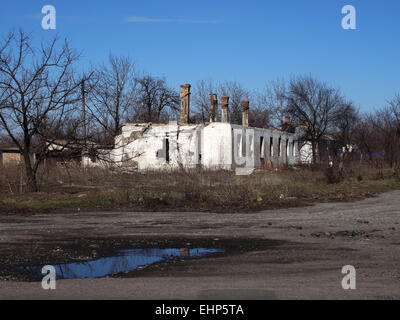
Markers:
102,161
306,153
211,145
217,146
287,156
141,142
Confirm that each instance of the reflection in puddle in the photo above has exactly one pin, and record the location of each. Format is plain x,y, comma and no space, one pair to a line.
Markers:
125,260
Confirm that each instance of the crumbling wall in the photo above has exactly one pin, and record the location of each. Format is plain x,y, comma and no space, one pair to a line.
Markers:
214,146
149,146
265,147
11,158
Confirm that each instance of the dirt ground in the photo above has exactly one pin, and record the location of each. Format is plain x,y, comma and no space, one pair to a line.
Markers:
295,253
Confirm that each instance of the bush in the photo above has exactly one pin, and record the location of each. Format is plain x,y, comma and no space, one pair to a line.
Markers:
12,179
333,175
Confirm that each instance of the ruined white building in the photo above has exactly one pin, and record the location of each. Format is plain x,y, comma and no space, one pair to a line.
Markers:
212,145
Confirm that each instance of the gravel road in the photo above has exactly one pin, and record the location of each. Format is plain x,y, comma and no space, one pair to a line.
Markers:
314,243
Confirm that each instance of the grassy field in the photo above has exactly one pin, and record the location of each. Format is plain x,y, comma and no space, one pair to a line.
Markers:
95,189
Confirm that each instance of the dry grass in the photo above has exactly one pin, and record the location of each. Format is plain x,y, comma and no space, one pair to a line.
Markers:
75,189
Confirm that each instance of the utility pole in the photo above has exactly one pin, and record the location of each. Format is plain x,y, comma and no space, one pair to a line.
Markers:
83,124
83,111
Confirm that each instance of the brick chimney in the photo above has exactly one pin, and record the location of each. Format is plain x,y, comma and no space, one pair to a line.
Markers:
245,113
224,109
213,107
185,103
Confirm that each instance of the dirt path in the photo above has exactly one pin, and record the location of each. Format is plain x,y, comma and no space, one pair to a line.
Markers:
314,244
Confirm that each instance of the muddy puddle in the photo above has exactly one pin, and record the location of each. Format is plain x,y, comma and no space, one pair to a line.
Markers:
123,261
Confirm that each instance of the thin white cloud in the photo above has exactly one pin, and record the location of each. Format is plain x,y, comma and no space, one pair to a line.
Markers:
135,19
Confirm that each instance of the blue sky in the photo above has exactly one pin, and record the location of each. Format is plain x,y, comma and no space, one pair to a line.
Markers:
251,41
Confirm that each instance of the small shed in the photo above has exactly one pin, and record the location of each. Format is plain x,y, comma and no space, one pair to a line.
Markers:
10,156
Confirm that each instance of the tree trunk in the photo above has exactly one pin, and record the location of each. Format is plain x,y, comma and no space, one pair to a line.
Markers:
31,182
314,152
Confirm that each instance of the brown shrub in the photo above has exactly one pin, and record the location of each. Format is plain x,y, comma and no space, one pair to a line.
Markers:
12,179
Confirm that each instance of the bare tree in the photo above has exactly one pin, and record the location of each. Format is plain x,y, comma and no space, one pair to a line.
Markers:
111,94
270,107
260,115
37,90
366,136
274,100
236,93
154,100
201,100
346,123
314,105
387,124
